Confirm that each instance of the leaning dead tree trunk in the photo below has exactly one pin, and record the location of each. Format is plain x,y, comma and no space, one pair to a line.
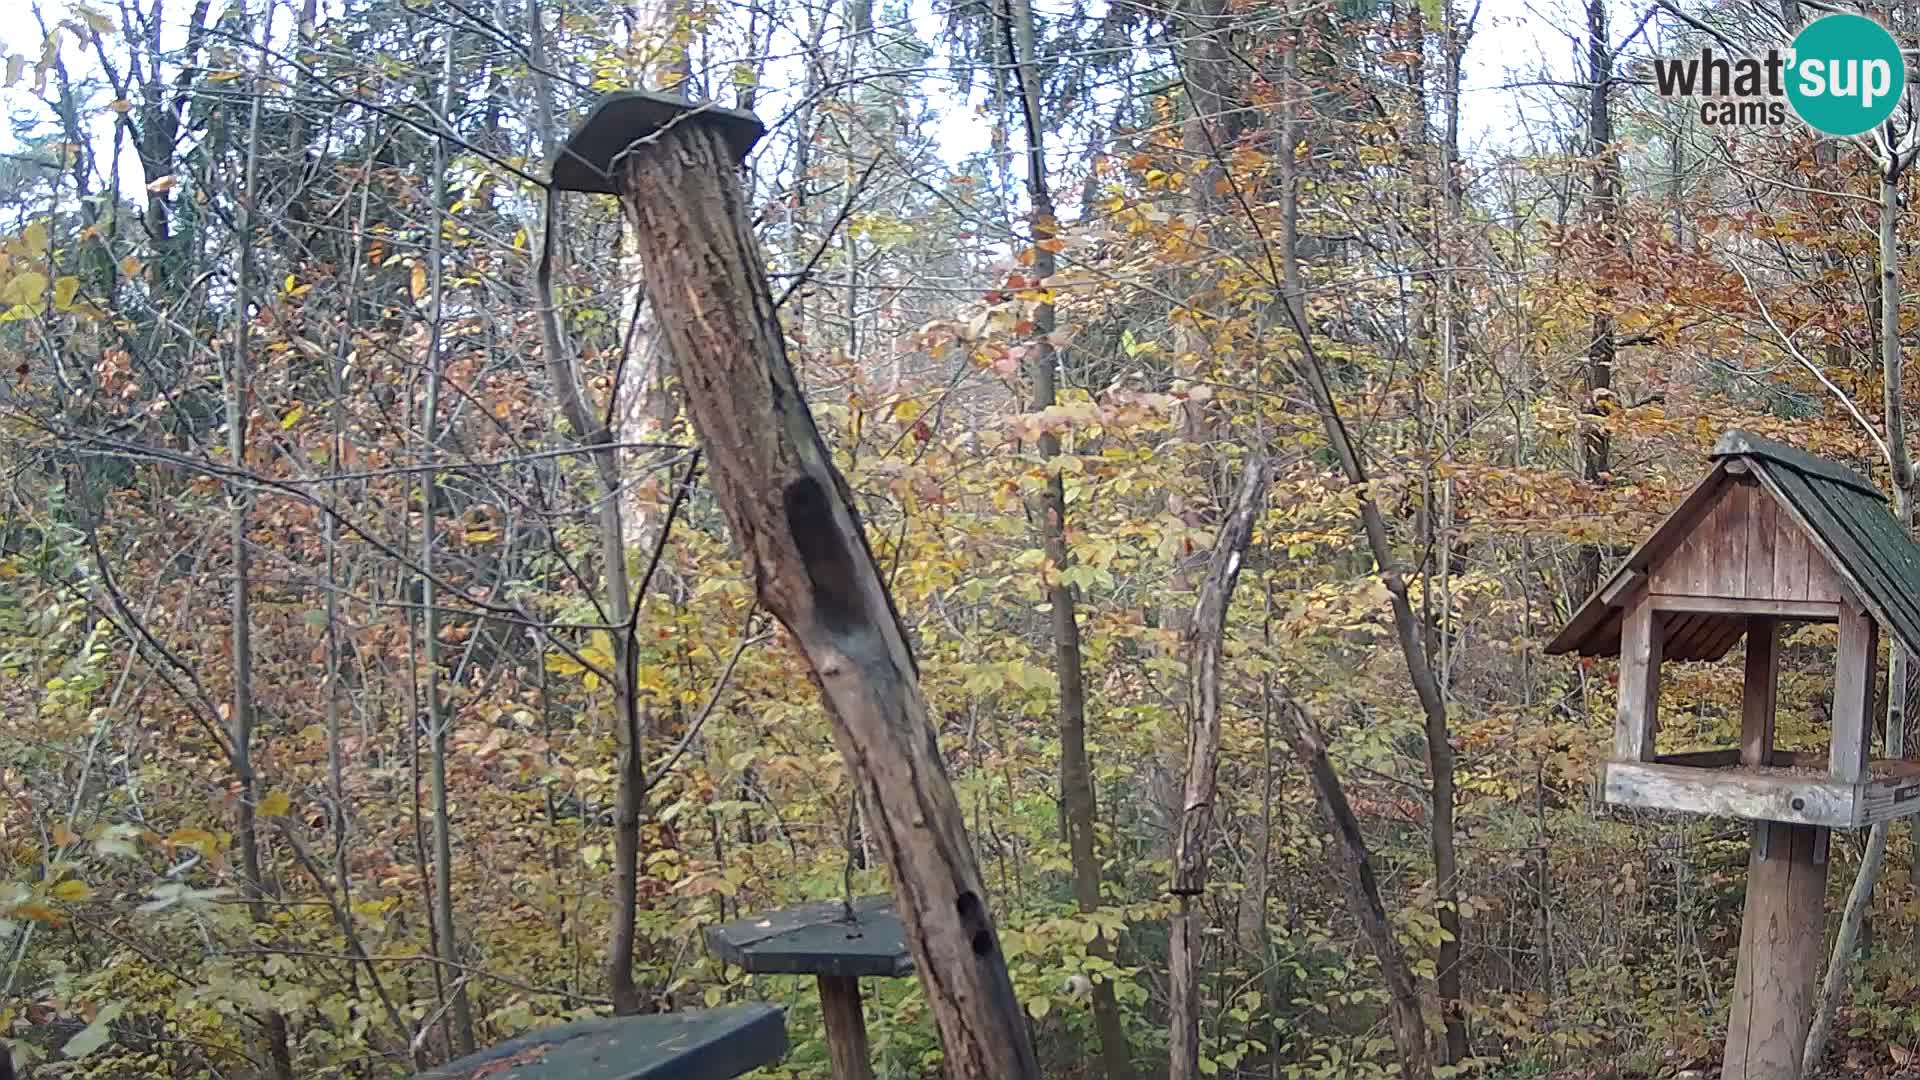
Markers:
1206,637
1361,886
801,537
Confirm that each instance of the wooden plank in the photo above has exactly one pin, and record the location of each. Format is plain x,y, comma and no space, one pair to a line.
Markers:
818,939
1822,583
1726,546
1590,631
846,1028
1615,591
1759,686
1893,793
1790,555
1802,798
1763,528
1853,673
1797,610
1640,655
1701,759
698,1044
1727,633
1780,954
1675,630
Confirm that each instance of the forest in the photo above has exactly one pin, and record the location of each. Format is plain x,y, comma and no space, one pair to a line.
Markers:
1235,397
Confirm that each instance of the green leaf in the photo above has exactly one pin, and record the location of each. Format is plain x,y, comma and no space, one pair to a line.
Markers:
96,1034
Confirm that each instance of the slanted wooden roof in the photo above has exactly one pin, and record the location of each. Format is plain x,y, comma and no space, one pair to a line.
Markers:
1841,516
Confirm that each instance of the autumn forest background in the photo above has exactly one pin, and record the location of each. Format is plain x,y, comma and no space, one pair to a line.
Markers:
378,678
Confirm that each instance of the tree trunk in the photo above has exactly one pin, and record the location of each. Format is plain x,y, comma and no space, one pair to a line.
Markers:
1595,442
1049,509
1853,916
1206,635
438,720
616,604
279,1051
1355,865
800,534
1407,629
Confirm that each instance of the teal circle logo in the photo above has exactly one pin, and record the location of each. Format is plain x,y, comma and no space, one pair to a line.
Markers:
1846,74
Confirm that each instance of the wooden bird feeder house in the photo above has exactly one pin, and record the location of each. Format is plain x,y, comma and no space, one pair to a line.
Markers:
1772,535
839,944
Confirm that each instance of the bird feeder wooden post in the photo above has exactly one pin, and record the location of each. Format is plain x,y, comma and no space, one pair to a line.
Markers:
674,166
1773,535
837,943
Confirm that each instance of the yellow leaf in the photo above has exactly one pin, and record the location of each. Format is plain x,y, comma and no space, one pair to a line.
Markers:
419,281
481,536
223,76
38,913
27,289
162,185
205,841
276,804
95,21
293,416
33,238
64,289
71,891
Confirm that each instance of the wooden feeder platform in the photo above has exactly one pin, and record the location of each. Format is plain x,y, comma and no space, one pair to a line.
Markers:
818,939
839,943
700,1044
590,160
1793,787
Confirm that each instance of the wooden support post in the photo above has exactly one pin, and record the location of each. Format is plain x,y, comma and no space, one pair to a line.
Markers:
1853,694
1758,693
1639,712
846,1027
1780,952
800,535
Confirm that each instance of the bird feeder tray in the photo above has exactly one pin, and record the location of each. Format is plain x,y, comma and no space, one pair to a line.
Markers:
818,939
590,159
701,1044
1795,788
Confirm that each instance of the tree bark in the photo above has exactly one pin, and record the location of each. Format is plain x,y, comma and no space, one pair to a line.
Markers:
616,603
795,523
1362,889
1596,445
438,720
1049,509
1206,637
1406,623
1853,915
279,1050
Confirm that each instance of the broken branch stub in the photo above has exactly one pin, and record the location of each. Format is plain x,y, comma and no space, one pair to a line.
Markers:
804,544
